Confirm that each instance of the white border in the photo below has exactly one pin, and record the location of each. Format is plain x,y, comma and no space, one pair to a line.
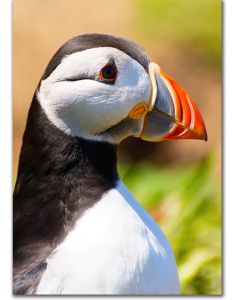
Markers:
231,208
5,149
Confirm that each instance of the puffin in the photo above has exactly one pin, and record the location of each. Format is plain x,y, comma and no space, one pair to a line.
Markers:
77,230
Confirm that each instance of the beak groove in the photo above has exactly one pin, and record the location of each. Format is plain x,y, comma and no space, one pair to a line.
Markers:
187,122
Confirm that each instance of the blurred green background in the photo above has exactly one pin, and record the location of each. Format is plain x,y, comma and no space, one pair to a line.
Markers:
178,182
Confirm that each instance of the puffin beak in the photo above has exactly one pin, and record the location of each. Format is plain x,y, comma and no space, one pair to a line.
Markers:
171,113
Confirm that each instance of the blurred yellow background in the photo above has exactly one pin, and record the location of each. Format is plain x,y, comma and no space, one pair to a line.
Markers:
178,182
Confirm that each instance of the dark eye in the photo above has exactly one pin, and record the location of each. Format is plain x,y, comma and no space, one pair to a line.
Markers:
108,73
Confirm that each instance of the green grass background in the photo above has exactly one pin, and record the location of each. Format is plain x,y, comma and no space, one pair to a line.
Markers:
194,25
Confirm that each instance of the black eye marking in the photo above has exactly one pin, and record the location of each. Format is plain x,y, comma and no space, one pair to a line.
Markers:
76,78
108,73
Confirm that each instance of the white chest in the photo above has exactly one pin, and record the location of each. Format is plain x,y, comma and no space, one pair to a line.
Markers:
115,248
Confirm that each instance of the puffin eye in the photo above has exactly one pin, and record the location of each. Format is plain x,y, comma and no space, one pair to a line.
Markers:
108,73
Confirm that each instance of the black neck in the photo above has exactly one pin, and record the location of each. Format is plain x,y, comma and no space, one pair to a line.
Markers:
59,177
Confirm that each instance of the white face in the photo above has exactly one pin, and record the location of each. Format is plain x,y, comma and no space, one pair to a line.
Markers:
88,107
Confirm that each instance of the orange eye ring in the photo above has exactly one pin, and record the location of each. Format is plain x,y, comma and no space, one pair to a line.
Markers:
108,73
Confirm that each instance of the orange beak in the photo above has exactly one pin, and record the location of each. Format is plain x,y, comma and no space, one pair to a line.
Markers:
172,114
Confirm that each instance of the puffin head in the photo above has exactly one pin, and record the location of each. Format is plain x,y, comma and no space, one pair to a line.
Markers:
106,88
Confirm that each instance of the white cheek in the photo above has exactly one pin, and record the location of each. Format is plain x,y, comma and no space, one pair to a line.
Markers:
87,107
